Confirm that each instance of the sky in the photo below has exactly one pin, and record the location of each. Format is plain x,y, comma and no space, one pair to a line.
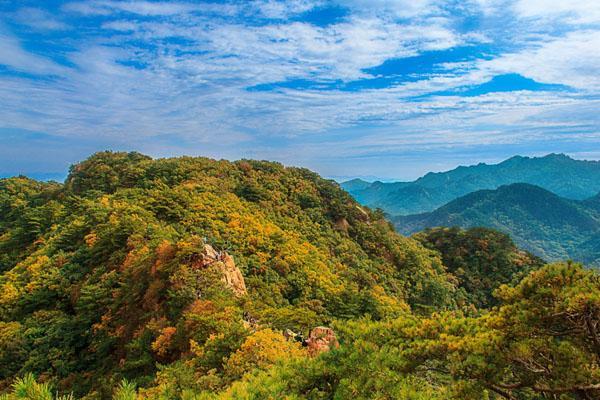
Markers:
358,88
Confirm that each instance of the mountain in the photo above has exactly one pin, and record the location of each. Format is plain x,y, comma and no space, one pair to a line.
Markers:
558,173
548,225
130,260
355,184
191,278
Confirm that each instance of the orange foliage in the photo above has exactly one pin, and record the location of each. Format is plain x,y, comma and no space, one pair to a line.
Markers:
152,295
162,344
91,239
165,252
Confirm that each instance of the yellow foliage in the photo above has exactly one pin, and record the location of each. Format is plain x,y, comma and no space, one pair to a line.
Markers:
196,349
134,256
8,294
261,350
387,305
35,267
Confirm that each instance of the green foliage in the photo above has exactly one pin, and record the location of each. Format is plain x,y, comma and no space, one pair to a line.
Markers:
27,388
28,208
108,293
539,343
102,278
549,226
13,351
107,171
481,259
125,391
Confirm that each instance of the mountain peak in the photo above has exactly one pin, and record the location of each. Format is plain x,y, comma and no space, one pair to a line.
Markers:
355,184
538,220
554,172
523,186
355,180
557,156
549,156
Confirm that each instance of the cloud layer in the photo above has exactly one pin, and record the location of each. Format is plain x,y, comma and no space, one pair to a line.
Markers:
349,88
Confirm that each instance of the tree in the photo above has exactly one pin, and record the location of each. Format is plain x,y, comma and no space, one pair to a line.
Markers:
261,350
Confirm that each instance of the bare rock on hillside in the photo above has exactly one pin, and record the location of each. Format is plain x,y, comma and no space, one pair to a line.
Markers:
231,274
342,224
321,339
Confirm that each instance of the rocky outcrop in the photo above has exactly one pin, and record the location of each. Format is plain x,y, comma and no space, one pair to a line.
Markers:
231,275
321,339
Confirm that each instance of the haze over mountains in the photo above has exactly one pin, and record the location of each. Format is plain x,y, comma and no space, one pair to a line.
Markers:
549,205
558,173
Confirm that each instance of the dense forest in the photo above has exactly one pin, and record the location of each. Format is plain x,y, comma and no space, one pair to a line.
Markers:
552,227
190,278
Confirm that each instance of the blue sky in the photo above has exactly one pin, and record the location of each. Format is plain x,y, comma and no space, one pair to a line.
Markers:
371,88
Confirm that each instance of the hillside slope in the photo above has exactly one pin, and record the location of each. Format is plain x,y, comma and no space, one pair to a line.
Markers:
480,259
557,173
538,220
109,271
190,278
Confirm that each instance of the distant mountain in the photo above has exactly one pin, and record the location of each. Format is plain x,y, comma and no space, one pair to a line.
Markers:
539,221
355,184
558,173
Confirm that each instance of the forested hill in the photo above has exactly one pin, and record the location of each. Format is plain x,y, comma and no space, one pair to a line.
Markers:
480,259
103,265
548,225
557,173
177,279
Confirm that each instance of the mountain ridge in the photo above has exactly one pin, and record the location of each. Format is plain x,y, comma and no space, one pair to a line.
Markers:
191,278
538,220
558,173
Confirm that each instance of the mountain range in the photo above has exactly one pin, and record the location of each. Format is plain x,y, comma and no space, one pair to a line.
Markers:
191,278
557,173
540,221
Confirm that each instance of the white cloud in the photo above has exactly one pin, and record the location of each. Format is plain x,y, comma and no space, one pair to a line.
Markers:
15,57
574,11
39,19
145,8
283,9
196,71
276,52
572,60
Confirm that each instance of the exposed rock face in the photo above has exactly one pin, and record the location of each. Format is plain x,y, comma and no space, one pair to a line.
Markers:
321,339
232,276
210,255
250,322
